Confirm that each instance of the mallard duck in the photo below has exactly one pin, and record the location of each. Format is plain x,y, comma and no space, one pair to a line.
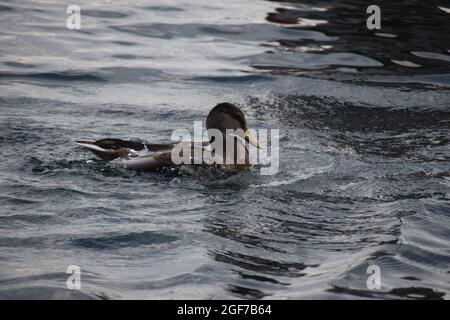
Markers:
152,157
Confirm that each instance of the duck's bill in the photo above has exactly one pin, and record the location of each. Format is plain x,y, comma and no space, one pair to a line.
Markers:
251,139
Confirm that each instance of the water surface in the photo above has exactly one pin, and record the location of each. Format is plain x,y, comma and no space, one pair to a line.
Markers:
364,173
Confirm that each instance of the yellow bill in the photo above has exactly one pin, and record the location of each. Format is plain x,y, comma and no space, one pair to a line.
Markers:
251,139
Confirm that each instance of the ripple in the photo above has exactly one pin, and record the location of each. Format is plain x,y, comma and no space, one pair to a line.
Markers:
29,219
253,32
311,60
44,293
265,266
432,55
230,79
105,14
52,76
124,240
19,64
164,8
5,8
418,293
248,293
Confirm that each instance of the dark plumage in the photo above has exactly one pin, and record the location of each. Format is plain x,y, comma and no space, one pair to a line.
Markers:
226,116
156,156
111,148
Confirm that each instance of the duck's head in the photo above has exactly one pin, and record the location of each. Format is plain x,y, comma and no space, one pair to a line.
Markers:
227,116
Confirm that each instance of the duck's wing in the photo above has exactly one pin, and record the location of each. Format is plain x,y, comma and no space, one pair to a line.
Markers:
159,147
152,161
136,155
111,148
157,157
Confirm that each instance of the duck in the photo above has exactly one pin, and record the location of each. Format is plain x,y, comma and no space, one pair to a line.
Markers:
224,118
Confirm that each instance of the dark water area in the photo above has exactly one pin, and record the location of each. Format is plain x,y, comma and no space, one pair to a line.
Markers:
364,174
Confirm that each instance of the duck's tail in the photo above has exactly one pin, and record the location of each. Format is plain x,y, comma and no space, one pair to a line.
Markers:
90,145
106,154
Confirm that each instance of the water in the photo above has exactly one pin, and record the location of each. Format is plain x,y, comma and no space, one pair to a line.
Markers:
364,162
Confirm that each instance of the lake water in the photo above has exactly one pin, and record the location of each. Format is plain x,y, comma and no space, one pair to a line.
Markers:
364,175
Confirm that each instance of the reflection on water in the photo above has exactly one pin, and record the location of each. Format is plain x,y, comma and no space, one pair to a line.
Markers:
364,150
412,40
